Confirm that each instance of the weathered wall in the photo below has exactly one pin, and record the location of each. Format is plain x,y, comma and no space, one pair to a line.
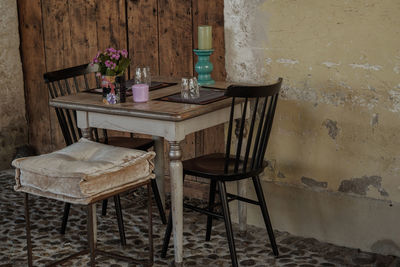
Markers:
13,125
335,131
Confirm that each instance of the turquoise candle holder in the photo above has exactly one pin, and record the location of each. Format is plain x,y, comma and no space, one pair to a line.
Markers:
204,67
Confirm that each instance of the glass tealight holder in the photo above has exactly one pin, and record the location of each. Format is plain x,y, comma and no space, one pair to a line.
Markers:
190,88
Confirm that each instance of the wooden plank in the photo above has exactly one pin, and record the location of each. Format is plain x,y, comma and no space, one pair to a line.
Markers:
111,31
175,35
83,46
57,37
57,34
75,31
176,48
111,24
33,64
211,12
142,30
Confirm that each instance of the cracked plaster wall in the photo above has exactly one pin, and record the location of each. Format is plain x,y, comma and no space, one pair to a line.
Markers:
338,115
335,133
13,125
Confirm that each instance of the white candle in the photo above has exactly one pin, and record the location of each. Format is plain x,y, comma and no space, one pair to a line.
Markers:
204,37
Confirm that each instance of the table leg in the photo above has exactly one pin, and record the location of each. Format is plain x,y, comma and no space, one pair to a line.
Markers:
83,124
159,166
176,176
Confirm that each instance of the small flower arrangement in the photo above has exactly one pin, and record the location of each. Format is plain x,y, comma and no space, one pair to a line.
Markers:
112,62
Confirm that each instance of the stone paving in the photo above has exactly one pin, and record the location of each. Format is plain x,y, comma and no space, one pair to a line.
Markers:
253,247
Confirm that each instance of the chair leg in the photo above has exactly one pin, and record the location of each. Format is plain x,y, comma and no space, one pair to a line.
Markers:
264,210
228,223
28,230
91,235
211,199
167,236
104,207
64,221
150,221
118,211
158,201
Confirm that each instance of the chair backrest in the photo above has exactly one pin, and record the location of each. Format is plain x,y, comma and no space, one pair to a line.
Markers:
69,81
261,117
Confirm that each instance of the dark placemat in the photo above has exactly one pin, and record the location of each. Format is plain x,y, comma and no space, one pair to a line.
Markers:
128,85
154,85
207,96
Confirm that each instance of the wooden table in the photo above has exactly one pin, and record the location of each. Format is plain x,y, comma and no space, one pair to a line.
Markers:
161,119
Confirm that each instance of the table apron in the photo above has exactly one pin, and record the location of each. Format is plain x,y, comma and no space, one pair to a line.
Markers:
170,130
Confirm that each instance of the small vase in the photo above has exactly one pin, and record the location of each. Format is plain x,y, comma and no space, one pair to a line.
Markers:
114,89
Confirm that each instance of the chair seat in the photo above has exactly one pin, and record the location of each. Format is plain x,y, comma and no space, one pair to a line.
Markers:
83,171
212,166
129,142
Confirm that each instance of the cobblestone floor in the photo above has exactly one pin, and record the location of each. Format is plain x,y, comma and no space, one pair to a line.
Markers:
252,247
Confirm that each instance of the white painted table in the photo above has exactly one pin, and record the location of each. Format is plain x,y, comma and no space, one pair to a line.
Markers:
172,121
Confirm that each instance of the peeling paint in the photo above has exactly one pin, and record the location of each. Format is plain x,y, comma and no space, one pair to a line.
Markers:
271,165
313,183
281,175
374,119
366,66
287,61
332,128
361,185
394,96
396,69
330,64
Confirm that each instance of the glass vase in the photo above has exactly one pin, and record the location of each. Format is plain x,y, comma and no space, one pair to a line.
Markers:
114,89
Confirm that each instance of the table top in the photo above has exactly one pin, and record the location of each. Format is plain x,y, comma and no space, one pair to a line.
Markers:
154,109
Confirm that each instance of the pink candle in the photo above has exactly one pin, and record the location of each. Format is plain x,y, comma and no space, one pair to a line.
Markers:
140,93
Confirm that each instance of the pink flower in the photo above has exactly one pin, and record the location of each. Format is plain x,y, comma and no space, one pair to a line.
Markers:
108,63
111,50
124,53
109,59
116,56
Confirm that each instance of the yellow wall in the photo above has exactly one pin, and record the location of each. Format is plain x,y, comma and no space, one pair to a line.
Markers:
334,148
338,116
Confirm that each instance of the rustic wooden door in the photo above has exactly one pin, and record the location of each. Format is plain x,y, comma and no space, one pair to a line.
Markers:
162,34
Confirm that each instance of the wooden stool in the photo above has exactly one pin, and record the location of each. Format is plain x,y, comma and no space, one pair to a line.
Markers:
85,173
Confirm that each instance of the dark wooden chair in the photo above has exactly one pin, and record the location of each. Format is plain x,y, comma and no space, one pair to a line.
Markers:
76,79
221,168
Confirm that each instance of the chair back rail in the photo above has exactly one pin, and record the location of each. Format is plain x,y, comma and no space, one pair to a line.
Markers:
265,99
70,81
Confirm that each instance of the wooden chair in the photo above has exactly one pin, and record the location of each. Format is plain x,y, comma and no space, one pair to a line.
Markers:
221,168
77,79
